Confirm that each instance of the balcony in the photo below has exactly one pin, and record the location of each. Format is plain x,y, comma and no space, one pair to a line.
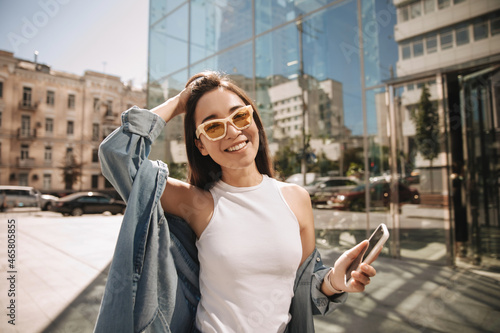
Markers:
26,163
26,134
28,106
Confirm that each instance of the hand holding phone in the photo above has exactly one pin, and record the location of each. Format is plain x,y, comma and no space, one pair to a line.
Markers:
375,244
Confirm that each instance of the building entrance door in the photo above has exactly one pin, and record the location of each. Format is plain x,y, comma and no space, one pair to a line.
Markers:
480,112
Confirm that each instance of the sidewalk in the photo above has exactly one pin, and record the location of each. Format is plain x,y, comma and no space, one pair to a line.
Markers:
65,261
406,296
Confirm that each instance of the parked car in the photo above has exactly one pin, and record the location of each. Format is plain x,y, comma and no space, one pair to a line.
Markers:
380,196
298,178
323,188
47,201
80,203
18,198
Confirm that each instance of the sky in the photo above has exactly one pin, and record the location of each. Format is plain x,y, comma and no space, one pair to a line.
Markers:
107,36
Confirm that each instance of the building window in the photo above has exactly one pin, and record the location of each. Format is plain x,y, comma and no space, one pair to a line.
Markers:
403,14
429,6
95,132
443,4
446,39
462,34
50,97
415,9
25,152
23,179
406,50
431,43
1,89
47,156
27,96
456,2
109,108
495,26
70,128
96,104
418,47
95,155
95,181
25,126
49,125
47,181
480,29
71,101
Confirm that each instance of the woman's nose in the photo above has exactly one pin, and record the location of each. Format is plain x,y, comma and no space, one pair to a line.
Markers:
232,131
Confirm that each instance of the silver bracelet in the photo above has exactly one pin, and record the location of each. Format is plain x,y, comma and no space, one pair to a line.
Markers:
328,283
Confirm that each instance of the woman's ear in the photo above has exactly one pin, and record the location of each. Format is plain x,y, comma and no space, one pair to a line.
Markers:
201,147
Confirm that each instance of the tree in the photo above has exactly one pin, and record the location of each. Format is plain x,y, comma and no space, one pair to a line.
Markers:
426,120
71,171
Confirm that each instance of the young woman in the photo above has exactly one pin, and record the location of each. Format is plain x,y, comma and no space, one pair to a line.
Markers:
254,236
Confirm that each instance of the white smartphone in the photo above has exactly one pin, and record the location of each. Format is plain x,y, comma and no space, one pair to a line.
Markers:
376,243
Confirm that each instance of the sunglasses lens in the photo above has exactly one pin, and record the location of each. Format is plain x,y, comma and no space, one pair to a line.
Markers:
214,130
242,119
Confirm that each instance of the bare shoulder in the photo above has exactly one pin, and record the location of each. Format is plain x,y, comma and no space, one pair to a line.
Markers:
299,201
294,193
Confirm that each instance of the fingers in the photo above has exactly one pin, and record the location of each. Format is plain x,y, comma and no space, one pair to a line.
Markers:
357,250
360,279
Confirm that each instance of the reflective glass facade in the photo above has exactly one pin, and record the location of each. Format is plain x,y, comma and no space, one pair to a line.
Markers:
356,89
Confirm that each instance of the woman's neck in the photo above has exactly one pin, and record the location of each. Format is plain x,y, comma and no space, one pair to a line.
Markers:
246,177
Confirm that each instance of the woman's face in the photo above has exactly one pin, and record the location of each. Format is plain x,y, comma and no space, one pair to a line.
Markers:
238,148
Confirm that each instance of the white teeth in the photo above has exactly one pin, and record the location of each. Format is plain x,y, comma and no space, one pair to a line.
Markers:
237,147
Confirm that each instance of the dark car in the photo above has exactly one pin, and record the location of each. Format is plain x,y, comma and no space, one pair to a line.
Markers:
380,196
80,203
323,188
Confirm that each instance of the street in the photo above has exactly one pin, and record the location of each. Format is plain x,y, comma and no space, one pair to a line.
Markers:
55,259
60,266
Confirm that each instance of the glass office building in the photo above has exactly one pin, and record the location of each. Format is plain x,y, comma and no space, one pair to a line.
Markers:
399,96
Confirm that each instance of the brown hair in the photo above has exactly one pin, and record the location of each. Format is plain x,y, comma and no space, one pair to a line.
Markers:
203,171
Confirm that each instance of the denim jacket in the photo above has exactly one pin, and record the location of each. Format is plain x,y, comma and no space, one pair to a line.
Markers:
152,284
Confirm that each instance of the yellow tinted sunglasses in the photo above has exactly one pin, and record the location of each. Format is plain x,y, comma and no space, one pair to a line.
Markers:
216,129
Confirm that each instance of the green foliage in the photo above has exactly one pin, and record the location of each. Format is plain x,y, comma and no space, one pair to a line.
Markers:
177,170
355,169
426,120
286,162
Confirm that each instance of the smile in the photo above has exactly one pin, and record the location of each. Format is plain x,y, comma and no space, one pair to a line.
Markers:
237,147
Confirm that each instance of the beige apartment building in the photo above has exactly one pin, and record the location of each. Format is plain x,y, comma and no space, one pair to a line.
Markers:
50,120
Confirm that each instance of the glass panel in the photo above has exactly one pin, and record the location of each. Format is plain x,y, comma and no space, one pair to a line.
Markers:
403,15
495,26
418,47
462,34
446,39
216,26
381,51
159,8
406,50
443,4
480,30
168,44
272,13
431,43
418,177
415,9
173,134
429,6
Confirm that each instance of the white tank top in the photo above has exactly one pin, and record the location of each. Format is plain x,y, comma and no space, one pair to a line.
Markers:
249,254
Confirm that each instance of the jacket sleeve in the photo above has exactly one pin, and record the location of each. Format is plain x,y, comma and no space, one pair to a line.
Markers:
123,151
308,299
